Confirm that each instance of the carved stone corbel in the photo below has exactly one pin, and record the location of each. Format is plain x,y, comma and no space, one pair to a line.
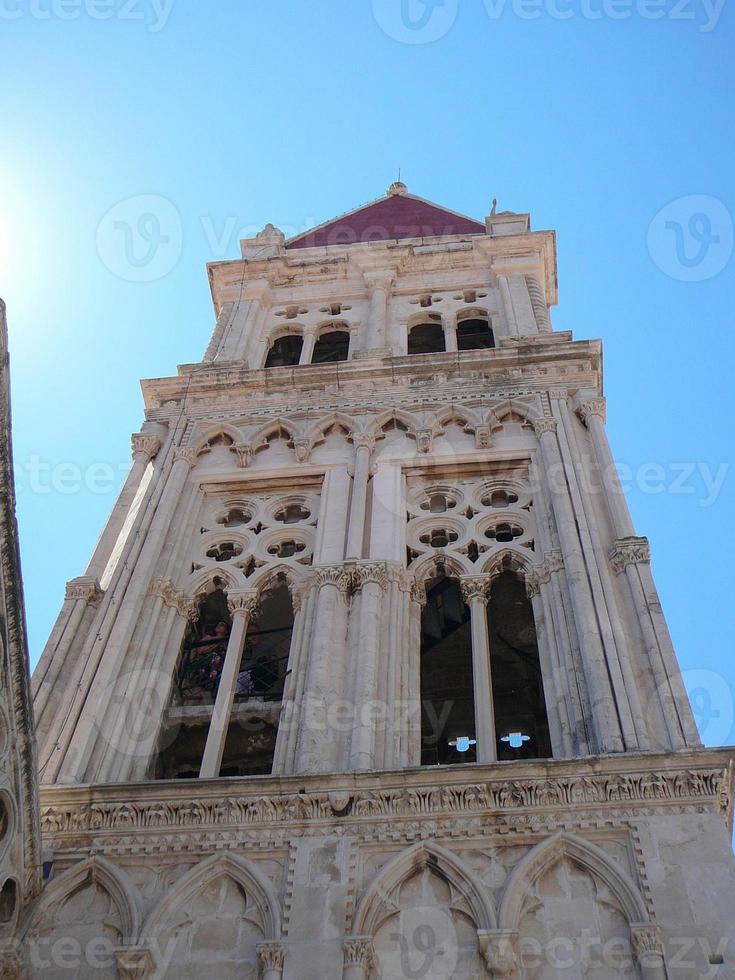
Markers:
302,449
424,440
244,454
499,948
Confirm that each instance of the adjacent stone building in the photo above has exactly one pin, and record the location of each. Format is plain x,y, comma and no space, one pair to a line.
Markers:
367,676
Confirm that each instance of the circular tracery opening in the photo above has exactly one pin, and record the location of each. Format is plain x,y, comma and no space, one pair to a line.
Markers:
499,498
504,533
235,517
286,549
292,514
225,551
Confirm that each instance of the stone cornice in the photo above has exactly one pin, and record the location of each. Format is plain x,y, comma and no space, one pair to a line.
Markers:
532,362
272,808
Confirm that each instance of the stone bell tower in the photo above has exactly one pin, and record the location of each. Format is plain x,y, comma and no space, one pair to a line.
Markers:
367,676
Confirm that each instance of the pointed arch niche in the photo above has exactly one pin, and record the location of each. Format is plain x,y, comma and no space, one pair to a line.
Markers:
423,914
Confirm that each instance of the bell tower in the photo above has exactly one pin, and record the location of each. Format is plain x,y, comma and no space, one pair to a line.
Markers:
369,653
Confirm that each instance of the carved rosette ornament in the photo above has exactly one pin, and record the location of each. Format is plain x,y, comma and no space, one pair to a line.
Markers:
134,963
243,603
499,948
629,551
646,941
475,587
86,588
590,407
145,445
542,426
271,959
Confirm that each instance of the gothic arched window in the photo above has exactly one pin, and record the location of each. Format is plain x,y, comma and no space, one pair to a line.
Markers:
285,351
474,333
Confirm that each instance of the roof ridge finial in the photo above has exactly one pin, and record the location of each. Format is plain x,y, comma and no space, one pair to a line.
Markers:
397,187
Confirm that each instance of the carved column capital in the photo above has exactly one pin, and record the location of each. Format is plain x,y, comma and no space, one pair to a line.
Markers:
174,598
475,587
244,454
374,572
647,946
85,587
145,445
134,963
336,575
187,454
271,959
590,407
629,551
363,440
499,948
243,603
542,426
382,281
359,951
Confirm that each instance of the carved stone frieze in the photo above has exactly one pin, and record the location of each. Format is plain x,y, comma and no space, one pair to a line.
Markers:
629,551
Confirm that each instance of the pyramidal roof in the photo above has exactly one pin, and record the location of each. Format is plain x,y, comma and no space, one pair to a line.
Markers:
396,215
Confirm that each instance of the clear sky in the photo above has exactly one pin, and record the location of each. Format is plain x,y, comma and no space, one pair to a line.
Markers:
594,115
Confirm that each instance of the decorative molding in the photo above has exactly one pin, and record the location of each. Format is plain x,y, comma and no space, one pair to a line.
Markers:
144,444
590,407
134,963
475,587
629,551
85,587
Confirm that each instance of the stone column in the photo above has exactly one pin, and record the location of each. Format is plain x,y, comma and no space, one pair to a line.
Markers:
364,445
592,413
307,348
354,341
331,528
144,447
476,592
412,756
284,761
648,949
134,963
371,581
604,712
359,957
242,606
450,335
379,289
538,303
317,745
271,957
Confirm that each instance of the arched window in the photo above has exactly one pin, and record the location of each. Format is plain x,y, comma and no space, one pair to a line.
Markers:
474,333
427,338
285,351
521,724
447,702
334,345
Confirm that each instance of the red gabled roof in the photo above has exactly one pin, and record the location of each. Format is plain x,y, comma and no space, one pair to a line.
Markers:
397,215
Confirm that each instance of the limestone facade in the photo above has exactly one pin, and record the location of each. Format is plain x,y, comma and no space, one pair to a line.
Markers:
386,491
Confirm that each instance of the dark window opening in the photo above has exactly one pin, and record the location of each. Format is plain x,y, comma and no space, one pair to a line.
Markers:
235,518
504,533
447,699
224,551
203,652
332,346
285,351
521,723
292,514
426,338
500,498
8,900
286,549
474,335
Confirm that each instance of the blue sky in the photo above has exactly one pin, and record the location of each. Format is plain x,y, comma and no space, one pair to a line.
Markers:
593,115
